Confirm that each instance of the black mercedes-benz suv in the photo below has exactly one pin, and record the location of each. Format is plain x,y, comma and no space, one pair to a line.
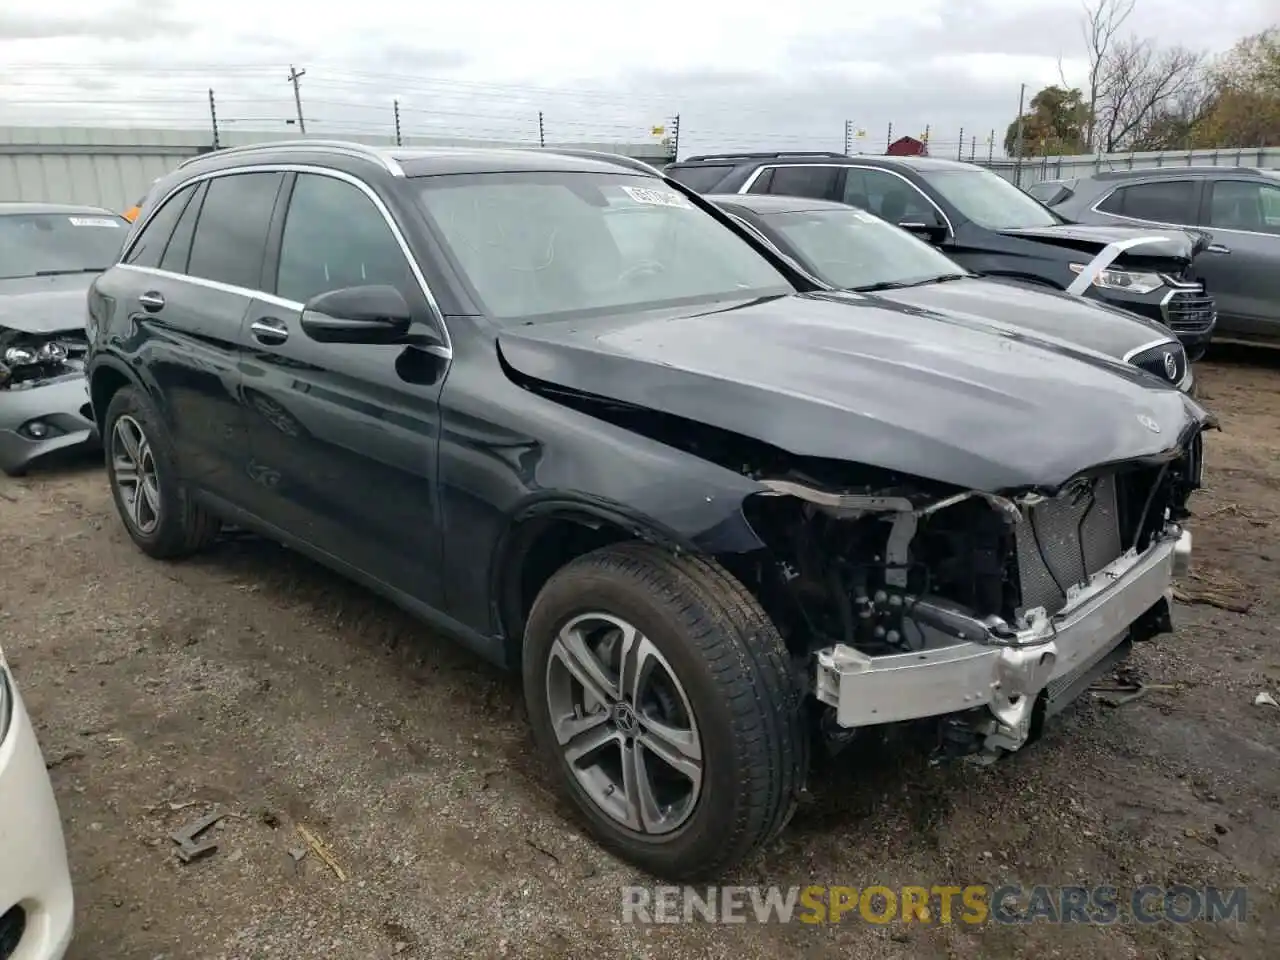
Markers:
989,226
569,414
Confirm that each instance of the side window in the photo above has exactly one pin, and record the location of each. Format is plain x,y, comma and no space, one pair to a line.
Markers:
816,182
231,235
335,237
1244,205
702,177
1164,201
178,252
888,197
149,249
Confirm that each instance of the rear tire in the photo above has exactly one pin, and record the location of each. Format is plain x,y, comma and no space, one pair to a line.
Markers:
718,695
156,508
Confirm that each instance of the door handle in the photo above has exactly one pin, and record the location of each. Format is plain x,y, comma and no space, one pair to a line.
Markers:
152,301
1217,248
269,330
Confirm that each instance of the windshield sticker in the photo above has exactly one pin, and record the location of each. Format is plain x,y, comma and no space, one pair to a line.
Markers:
93,222
657,198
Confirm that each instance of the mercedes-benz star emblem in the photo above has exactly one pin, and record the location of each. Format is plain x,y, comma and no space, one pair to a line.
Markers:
624,719
1148,423
1170,365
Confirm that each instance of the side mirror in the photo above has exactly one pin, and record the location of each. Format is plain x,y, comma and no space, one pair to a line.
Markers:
928,227
368,314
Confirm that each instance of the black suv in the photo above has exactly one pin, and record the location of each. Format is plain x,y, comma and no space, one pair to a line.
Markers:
569,414
988,226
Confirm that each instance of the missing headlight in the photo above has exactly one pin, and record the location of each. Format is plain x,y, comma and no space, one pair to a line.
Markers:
26,359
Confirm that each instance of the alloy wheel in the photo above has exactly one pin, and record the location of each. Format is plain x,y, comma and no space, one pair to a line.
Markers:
624,724
133,467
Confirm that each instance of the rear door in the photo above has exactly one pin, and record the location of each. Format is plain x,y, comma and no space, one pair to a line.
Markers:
346,434
1242,267
192,303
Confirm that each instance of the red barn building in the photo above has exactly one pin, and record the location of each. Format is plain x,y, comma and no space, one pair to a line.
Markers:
907,147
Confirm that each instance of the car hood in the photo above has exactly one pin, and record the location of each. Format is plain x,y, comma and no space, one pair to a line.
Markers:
1042,312
866,381
1176,244
45,304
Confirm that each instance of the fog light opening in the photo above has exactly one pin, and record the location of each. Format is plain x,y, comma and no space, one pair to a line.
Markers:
39,430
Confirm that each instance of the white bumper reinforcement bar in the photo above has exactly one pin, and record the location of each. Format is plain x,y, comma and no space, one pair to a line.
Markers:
995,666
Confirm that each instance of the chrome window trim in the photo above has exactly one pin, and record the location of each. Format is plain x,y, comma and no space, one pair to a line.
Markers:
215,285
951,230
445,352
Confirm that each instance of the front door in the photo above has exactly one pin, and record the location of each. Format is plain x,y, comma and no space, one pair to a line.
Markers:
344,437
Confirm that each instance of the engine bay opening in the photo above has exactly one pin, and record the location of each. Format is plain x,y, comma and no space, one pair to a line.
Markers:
854,578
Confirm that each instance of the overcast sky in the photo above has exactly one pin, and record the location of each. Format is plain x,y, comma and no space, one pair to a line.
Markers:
754,74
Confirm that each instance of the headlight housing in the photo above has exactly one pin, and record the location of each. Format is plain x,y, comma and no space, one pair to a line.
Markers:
1130,281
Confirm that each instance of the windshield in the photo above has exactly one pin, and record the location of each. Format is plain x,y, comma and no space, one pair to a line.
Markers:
851,248
988,200
543,245
40,244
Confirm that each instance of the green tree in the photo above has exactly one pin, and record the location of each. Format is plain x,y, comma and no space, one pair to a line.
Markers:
1054,125
1243,107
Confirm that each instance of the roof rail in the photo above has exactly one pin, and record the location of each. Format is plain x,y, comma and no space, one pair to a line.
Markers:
771,155
347,148
619,159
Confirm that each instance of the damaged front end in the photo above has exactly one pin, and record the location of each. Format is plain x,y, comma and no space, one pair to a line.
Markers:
987,612
44,402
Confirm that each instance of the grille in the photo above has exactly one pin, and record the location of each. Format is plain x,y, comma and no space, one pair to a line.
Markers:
1064,541
1189,311
1168,361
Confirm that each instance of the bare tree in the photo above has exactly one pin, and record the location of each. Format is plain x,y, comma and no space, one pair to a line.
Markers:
1141,85
1102,21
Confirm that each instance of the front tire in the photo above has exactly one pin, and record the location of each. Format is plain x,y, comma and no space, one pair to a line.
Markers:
664,698
157,510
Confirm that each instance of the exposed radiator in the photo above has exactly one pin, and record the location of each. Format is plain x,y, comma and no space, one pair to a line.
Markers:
1064,541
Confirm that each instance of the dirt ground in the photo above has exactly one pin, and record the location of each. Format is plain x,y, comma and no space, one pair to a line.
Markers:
252,679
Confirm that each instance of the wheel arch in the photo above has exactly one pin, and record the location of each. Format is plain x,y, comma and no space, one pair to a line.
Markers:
106,378
543,536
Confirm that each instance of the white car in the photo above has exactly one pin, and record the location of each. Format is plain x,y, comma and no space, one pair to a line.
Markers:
36,903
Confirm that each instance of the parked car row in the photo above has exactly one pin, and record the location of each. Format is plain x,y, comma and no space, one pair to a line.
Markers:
725,478
988,226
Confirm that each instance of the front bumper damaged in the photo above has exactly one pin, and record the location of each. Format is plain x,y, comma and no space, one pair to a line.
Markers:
968,664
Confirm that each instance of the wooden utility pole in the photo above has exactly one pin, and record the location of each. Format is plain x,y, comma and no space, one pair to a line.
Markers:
294,77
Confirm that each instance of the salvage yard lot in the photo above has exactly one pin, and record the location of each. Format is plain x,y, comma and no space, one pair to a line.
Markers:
253,680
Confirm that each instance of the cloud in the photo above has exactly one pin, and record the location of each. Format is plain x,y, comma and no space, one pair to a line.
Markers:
782,75
128,20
